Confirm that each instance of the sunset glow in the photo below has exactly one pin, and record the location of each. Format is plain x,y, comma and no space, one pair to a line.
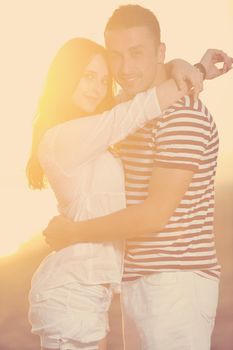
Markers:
29,48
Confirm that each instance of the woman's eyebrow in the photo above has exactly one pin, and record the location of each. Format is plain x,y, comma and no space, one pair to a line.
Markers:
90,71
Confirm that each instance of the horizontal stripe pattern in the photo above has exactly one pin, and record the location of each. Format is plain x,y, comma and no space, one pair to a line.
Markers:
184,137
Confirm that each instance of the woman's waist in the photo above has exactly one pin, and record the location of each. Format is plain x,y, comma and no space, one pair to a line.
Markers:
87,253
88,205
85,262
94,249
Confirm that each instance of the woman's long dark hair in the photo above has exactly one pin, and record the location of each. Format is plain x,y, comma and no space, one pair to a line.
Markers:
55,105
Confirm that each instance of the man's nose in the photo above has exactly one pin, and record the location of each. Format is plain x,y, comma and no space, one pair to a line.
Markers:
126,66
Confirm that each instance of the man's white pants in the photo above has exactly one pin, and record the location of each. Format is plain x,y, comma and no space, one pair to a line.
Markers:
169,311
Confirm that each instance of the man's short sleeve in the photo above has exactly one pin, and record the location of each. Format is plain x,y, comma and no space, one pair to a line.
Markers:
181,137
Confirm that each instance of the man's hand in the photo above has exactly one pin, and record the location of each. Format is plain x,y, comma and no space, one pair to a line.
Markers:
186,74
211,58
59,234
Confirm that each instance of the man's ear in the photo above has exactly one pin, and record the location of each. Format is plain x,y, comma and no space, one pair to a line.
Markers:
161,53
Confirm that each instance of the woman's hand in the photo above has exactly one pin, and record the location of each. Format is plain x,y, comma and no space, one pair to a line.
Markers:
185,75
213,57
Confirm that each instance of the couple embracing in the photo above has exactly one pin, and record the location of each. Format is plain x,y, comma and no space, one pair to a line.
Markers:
136,218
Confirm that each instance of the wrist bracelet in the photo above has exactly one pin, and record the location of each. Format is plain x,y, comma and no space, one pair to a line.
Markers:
201,68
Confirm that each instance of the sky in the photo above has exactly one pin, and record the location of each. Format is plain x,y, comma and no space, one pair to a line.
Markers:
31,33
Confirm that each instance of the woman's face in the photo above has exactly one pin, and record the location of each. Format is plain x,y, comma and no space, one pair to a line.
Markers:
93,85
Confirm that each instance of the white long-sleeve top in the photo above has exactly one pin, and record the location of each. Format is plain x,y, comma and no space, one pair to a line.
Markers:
88,182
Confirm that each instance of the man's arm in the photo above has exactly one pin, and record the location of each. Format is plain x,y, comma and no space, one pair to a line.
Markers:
62,232
166,189
175,162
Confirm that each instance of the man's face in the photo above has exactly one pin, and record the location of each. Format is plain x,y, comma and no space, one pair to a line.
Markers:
134,58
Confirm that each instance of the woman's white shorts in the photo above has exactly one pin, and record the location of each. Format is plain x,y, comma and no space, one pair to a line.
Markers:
74,313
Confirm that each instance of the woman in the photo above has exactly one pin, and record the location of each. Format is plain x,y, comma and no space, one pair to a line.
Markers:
71,290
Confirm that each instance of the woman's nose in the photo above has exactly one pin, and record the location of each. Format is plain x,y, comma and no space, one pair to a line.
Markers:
98,88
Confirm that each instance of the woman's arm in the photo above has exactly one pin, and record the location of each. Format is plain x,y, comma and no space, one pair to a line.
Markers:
181,71
96,133
77,141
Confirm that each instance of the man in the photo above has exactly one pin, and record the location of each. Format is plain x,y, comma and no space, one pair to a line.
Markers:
170,282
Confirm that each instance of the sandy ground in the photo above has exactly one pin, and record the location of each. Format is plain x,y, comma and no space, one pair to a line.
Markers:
16,272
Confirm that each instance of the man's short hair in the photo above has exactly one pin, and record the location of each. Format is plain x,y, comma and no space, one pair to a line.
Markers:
128,16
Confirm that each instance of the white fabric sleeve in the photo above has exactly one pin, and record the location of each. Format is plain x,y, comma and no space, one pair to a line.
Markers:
78,140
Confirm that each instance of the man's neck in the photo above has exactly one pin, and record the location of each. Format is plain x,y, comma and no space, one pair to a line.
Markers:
161,75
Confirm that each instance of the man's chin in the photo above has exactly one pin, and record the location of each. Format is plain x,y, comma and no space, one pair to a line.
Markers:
131,91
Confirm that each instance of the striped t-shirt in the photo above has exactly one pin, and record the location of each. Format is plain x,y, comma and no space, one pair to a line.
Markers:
184,137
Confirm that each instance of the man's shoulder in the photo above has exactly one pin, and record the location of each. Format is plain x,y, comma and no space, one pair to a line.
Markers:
187,106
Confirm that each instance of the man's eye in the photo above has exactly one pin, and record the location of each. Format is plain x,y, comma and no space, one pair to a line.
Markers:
136,53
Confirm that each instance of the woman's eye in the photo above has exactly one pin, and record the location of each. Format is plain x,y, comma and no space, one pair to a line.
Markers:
88,76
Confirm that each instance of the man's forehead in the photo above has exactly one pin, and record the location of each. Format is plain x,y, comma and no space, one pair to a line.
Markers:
115,49
127,37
